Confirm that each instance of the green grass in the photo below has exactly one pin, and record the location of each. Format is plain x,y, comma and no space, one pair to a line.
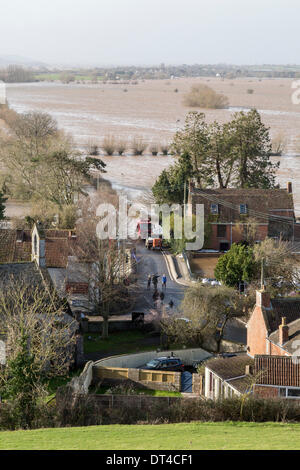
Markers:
191,436
153,393
123,342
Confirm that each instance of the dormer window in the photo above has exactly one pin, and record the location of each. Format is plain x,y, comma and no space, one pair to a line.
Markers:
214,208
243,209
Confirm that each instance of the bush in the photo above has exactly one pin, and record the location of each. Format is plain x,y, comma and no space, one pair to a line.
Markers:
154,149
121,146
164,148
250,91
138,146
109,145
202,96
93,148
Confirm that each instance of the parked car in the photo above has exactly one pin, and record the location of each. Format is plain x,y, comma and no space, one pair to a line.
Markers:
165,363
212,282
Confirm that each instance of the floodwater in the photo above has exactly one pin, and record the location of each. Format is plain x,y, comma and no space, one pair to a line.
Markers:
154,110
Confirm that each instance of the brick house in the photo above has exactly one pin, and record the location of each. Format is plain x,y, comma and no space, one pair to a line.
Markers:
271,367
18,245
274,325
227,212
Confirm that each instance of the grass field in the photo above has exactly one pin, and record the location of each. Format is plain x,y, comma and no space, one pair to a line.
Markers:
191,436
123,342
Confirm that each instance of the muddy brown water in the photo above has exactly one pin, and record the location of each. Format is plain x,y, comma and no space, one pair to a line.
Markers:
154,111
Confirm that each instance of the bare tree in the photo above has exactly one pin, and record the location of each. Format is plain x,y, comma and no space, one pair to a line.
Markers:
33,309
108,264
121,146
138,146
109,144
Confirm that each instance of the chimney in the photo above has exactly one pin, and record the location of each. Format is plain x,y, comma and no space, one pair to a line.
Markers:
248,370
263,299
283,331
289,187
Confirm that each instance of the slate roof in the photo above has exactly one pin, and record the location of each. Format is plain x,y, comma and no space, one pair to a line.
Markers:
277,370
288,308
266,201
229,367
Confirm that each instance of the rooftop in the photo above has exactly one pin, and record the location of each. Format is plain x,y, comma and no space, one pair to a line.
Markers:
277,370
259,202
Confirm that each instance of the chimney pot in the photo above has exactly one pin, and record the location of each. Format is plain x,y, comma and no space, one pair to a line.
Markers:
283,332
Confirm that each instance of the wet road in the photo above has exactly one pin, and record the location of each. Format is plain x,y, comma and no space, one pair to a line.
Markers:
153,262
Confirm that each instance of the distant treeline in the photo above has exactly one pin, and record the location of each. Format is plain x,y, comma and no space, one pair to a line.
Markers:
16,74
163,71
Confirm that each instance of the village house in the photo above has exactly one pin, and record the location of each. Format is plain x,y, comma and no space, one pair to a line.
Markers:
271,366
229,211
37,276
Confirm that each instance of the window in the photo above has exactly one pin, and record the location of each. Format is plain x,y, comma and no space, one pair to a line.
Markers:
282,392
243,209
293,392
221,231
214,208
35,244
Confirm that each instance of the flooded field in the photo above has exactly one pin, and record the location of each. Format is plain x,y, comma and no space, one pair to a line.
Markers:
153,109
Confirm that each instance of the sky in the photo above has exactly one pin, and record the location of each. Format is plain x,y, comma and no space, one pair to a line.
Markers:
148,32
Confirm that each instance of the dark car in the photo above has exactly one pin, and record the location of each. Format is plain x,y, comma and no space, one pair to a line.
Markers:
165,363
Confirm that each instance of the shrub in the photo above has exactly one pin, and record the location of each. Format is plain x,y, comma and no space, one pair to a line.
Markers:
121,146
250,91
138,146
154,149
93,148
164,148
202,96
109,145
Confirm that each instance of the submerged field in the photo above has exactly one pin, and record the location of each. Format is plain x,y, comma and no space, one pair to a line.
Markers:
186,436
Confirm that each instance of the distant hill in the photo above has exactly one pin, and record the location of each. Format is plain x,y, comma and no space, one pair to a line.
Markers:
19,60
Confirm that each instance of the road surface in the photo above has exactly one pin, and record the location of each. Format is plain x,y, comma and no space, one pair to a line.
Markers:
153,262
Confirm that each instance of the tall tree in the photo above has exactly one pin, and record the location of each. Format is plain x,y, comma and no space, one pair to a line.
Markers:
251,148
170,186
193,140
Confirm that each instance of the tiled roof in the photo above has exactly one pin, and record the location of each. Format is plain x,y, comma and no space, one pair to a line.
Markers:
277,370
15,246
267,201
230,367
27,272
288,307
294,334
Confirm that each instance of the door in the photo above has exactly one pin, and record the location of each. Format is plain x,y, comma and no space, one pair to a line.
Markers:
186,382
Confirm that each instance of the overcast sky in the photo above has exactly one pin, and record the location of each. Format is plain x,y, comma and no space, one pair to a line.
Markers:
112,32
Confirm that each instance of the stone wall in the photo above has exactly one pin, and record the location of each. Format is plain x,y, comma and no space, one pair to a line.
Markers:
154,380
198,384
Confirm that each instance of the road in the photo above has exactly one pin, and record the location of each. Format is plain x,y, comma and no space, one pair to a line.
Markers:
153,262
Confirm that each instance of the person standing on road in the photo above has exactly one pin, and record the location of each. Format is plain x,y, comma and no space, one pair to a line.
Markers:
149,281
164,281
155,281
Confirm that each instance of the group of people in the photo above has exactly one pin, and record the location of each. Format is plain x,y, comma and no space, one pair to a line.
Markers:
153,278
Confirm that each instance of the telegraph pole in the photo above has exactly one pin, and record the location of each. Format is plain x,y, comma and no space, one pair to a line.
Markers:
262,274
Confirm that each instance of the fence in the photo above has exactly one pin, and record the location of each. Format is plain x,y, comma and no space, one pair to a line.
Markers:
154,380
